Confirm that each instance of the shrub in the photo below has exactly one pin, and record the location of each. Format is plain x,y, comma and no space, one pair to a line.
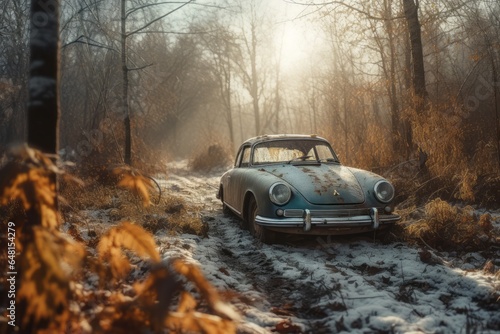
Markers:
448,227
216,156
55,293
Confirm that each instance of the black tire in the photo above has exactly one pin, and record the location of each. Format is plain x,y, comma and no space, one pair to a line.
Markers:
225,209
261,233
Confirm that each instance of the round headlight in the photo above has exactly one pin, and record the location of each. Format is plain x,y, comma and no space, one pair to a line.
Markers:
280,193
384,191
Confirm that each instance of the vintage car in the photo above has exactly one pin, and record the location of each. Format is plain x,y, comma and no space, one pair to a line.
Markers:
296,184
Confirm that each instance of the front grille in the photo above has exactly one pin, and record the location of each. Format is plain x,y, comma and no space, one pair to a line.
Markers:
295,213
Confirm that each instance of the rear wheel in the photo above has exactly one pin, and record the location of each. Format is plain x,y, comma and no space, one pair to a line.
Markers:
259,232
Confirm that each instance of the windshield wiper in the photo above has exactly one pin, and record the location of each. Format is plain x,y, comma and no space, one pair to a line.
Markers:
301,158
327,160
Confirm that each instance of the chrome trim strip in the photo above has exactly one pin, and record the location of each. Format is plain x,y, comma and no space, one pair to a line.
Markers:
296,213
233,209
356,221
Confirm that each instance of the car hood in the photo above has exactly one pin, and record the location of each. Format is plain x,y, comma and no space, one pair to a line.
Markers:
322,183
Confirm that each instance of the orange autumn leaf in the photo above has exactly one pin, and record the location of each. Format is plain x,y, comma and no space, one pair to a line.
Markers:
126,236
134,181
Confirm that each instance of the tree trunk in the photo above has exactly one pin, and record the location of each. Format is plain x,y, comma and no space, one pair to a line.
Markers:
255,87
419,91
391,75
496,104
417,54
126,112
43,126
226,89
43,104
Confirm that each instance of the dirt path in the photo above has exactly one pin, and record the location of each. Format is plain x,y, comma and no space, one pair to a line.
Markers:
327,285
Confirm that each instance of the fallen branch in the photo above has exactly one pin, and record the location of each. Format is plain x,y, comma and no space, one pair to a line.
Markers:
159,188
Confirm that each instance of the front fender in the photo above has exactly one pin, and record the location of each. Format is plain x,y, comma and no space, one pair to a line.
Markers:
367,180
258,184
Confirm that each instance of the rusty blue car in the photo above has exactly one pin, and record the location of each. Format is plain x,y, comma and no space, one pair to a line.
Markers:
296,184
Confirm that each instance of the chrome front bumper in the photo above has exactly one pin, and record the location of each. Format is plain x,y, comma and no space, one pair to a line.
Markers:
307,219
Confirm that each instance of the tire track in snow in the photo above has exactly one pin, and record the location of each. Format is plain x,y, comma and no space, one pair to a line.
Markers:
330,286
283,275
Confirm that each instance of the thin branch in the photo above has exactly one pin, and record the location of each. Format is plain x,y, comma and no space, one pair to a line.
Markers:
158,18
133,10
77,13
341,3
89,42
159,188
174,32
140,68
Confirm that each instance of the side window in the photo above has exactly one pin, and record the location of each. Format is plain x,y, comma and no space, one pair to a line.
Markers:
245,160
324,152
238,158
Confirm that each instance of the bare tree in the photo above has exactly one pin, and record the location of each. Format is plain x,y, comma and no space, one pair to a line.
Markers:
222,47
254,62
125,35
14,59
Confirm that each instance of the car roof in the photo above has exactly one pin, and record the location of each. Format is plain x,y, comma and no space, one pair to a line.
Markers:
264,138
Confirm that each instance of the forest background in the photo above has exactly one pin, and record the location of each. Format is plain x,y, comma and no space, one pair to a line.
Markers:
389,83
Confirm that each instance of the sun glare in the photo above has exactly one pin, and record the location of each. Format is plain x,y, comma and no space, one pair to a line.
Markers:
291,46
295,41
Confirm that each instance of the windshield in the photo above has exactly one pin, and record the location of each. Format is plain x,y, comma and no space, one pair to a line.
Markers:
288,151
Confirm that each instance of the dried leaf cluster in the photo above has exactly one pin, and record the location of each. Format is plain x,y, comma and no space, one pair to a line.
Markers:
29,178
47,264
54,267
154,297
132,179
125,236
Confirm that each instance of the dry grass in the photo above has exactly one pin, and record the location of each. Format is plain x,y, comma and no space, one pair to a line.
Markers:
216,156
89,196
54,267
447,227
369,147
456,167
172,214
440,131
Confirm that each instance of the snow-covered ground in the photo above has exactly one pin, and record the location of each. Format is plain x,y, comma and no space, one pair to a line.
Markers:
327,285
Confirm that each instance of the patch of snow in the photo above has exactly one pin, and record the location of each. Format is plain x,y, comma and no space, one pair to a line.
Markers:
346,286
323,285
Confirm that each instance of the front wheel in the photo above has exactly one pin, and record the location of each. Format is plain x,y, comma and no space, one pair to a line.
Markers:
259,232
